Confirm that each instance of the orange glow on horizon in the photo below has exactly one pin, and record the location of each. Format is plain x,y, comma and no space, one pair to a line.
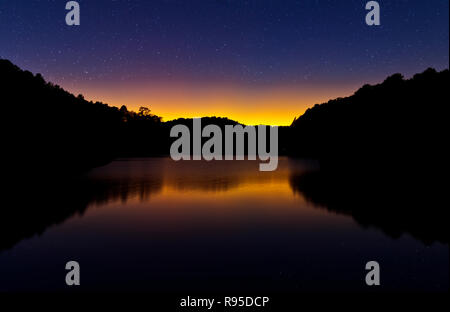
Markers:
270,106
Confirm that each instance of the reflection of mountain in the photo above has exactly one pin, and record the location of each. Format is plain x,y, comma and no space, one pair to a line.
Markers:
215,176
35,206
41,204
377,203
48,203
381,154
382,137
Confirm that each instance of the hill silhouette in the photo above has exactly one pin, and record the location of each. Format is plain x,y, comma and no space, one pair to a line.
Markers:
50,130
381,150
388,126
396,122
392,132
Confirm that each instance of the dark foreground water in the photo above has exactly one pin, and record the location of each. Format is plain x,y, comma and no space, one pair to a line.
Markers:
157,225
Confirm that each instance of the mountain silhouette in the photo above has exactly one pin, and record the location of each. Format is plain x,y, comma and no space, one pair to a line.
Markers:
381,151
392,124
384,128
393,134
49,130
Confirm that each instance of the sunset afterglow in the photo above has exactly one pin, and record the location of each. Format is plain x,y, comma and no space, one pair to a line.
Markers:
256,62
271,106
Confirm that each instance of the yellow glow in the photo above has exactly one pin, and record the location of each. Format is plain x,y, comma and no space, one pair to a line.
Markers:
271,106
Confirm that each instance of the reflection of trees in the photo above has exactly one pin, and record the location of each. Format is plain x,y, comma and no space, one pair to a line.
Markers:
395,209
219,176
105,191
42,203
37,207
126,181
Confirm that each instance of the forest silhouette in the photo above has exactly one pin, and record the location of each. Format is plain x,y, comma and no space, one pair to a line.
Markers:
386,142
398,122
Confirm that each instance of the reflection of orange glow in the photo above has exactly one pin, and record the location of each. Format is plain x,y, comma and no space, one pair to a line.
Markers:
162,195
260,193
272,106
172,210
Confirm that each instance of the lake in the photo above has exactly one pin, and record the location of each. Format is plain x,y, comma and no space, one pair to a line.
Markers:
152,224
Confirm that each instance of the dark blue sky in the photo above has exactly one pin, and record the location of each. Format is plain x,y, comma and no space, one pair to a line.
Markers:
254,44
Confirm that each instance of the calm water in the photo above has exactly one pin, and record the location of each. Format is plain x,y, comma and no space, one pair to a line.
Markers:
157,225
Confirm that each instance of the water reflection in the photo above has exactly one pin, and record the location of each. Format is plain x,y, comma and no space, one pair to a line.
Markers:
211,226
37,205
42,202
395,211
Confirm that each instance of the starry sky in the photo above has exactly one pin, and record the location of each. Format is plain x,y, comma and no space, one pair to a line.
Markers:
255,61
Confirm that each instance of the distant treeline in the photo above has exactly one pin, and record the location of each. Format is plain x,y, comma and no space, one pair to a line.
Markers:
48,128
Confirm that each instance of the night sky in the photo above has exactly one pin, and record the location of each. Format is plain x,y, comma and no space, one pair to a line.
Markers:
255,61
